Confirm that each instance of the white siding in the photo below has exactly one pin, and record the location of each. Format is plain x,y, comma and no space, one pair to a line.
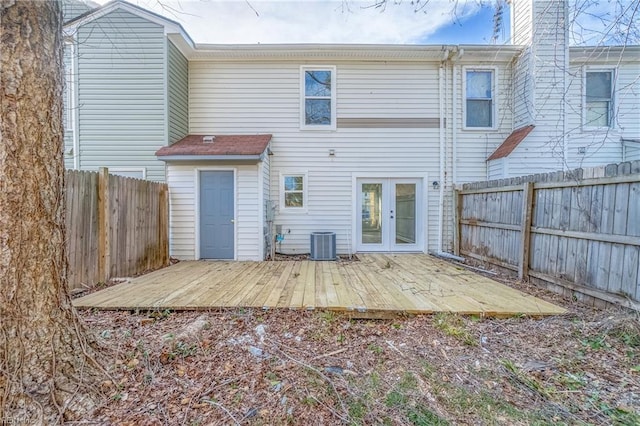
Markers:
627,98
543,150
182,195
263,98
496,169
632,151
604,146
475,146
521,21
523,93
121,93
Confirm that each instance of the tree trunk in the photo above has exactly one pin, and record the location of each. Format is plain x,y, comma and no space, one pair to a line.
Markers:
46,366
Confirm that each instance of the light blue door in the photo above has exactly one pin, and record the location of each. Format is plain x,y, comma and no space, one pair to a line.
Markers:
216,215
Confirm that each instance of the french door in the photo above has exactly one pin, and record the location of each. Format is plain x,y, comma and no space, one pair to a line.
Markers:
389,214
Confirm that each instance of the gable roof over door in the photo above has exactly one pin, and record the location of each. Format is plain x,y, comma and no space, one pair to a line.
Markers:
216,148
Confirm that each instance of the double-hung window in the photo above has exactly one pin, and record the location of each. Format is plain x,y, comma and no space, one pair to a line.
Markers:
598,98
479,98
293,191
318,100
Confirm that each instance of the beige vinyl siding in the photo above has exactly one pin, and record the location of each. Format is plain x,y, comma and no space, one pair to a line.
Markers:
121,93
182,195
178,93
263,97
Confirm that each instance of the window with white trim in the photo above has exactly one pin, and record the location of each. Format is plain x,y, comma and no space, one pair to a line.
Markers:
598,98
293,191
318,98
479,98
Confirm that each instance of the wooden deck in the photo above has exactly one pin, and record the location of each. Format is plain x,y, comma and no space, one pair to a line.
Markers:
376,284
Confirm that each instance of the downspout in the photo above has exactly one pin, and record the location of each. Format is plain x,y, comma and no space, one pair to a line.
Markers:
442,121
443,83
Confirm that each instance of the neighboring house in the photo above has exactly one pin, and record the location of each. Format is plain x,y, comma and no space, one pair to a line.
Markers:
365,141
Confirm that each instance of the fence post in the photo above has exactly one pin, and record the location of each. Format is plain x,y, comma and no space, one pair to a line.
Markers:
104,252
525,231
457,236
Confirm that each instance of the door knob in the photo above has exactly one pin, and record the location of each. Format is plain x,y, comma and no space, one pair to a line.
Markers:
233,221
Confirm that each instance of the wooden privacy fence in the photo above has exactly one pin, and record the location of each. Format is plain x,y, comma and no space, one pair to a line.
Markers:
577,233
116,227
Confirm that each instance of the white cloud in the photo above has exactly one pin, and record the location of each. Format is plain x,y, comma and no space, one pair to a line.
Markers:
305,21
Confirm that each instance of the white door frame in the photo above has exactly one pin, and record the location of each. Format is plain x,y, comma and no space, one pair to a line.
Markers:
197,171
421,206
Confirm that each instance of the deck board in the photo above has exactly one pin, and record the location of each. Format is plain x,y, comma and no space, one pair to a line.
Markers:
377,283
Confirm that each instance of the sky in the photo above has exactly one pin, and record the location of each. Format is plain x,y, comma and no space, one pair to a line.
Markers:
359,21
327,21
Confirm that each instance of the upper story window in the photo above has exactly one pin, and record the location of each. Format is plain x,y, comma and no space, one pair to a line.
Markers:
598,99
318,100
479,98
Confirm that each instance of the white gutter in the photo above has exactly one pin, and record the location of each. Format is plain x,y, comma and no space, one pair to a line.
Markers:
442,148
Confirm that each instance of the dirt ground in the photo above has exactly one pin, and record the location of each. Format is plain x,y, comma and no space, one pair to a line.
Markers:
253,367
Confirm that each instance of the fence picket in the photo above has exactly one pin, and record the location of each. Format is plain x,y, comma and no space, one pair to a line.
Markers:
129,238
582,231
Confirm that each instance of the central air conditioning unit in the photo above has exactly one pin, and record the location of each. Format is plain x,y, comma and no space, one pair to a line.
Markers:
323,246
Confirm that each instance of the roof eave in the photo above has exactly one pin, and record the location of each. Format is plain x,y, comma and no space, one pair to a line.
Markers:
431,53
222,158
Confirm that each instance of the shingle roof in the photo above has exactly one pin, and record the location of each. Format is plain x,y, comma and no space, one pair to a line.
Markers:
194,145
511,142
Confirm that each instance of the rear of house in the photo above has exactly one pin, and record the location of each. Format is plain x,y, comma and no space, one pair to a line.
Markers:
360,147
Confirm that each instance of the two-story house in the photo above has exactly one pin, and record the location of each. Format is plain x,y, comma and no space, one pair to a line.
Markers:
263,145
